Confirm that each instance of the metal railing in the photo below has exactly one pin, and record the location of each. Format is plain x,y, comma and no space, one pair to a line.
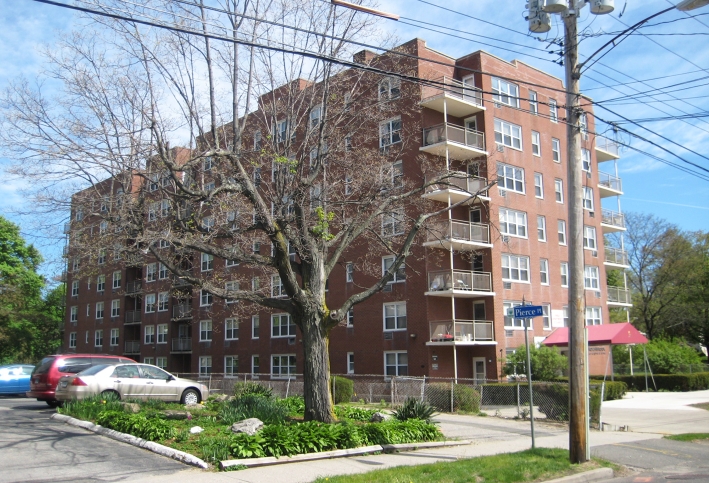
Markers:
133,317
458,180
178,282
616,256
182,344
619,295
461,330
132,347
182,311
67,228
612,218
459,231
453,88
609,181
65,251
608,146
459,280
134,286
453,134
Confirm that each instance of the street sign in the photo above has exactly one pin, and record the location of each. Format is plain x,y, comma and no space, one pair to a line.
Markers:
528,311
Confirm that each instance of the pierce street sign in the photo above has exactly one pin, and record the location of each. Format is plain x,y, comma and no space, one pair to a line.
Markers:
528,311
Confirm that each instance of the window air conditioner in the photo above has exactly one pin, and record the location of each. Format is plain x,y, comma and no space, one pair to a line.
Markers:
500,148
388,335
507,285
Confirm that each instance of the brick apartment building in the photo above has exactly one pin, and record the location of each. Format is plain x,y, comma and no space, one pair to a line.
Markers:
482,118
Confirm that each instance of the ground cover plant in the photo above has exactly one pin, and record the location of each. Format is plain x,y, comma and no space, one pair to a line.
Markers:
688,436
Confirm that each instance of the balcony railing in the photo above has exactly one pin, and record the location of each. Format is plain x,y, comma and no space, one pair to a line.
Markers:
609,181
452,88
613,218
608,146
460,231
451,133
182,311
618,295
132,347
134,286
462,331
183,344
178,282
459,181
465,280
133,317
65,251
67,228
616,256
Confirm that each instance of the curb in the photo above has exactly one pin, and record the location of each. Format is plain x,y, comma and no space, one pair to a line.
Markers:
391,448
132,440
586,476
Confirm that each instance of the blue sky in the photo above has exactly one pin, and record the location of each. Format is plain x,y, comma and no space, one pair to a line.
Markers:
649,185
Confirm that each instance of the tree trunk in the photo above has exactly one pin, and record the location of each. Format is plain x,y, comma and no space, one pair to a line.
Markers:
316,370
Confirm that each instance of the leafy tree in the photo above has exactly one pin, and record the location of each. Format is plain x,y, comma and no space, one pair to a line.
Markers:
547,363
665,355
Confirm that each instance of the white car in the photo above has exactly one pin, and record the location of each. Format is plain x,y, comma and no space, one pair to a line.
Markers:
131,381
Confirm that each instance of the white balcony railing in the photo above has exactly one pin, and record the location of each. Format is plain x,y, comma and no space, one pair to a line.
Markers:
452,88
460,231
182,311
613,218
67,228
464,280
609,181
608,146
616,256
462,330
619,295
447,132
458,181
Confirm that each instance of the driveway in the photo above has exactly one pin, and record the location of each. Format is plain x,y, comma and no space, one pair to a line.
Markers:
37,449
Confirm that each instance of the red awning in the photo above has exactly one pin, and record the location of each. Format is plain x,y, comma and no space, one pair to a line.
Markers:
616,334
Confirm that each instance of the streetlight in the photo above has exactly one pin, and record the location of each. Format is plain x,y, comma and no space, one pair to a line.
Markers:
539,21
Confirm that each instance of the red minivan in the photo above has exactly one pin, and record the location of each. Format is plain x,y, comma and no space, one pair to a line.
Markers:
46,374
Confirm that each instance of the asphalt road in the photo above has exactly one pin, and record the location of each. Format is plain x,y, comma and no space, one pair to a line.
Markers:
34,448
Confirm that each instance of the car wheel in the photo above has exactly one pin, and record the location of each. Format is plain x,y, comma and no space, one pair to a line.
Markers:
190,396
53,404
108,394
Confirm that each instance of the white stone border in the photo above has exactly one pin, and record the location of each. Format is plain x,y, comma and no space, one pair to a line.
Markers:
132,440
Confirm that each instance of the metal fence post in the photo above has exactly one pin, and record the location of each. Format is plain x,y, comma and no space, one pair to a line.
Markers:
334,391
452,389
423,388
287,386
519,410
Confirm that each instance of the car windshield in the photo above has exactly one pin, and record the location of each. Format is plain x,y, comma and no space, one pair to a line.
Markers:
91,371
43,367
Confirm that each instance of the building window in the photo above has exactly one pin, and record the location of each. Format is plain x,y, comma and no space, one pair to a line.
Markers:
283,366
556,150
546,319
513,223
99,310
163,301
208,223
164,208
544,271
116,280
315,115
256,248
390,132
100,283
565,316
533,104
349,272
393,175
98,338
231,287
205,365
161,362
102,227
257,141
255,326
277,289
538,185
230,263
589,237
541,228
75,265
231,365
115,308
389,88
150,334
282,130
558,190
396,363
153,209
536,144
515,268
587,198
207,262
255,364
148,360
392,223
508,134
593,316
101,256
350,317
553,111
399,275
561,231
348,143
510,178
564,274
586,159
74,313
282,326
590,277
350,363
162,333
347,101
150,272
231,329
72,340
75,288
511,322
395,316
205,330
205,298
505,92
150,303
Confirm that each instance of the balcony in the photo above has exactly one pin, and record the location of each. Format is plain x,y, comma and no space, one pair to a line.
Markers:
458,235
616,257
134,287
132,347
180,283
65,251
459,283
457,187
183,344
461,143
609,185
462,332
619,297
606,150
67,228
182,311
133,317
612,221
453,97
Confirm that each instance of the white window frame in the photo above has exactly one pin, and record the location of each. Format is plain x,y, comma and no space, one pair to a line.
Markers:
350,363
515,268
556,150
513,223
559,190
397,317
153,209
115,308
390,132
74,313
594,316
543,271
206,330
512,323
389,89
234,286
161,362
205,365
149,335
350,317
206,262
163,301
98,338
72,340
541,228
586,160
150,304
315,116
587,198
508,134
279,329
539,186
591,277
561,231
553,111
277,289
231,365
399,275
99,310
255,326
205,298
505,92
533,103
75,288
510,178
349,272
151,272
255,364
231,329
148,360
286,364
162,331
546,316
536,144
101,283
398,367
101,259
116,280
589,238
564,270
393,223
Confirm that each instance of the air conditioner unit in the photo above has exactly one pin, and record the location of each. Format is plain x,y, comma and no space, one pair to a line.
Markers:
500,148
507,285
388,335
387,288
291,341
591,214
505,239
503,193
594,254
509,333
588,174
598,295
498,105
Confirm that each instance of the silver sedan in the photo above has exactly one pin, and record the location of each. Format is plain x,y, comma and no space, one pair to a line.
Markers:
130,381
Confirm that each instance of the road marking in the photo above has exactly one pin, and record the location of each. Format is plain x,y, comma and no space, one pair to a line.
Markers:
642,448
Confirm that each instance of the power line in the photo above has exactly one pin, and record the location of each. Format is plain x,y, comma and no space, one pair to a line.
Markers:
667,118
643,80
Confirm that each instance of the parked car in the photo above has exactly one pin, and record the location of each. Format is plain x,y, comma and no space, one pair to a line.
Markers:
15,378
131,381
46,374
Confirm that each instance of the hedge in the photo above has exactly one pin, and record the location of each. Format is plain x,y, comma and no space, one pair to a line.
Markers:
465,398
668,382
614,389
343,389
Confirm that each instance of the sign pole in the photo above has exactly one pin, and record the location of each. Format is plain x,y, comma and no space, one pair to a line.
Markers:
529,378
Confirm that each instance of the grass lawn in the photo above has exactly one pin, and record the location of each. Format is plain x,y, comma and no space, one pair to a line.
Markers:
688,436
526,466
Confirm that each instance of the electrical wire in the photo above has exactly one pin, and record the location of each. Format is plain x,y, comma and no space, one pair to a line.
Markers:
643,80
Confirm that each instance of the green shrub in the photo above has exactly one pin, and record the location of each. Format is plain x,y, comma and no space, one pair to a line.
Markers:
465,398
343,389
152,429
214,448
668,382
294,404
613,390
553,401
268,410
397,432
414,409
354,414
547,363
88,409
252,388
